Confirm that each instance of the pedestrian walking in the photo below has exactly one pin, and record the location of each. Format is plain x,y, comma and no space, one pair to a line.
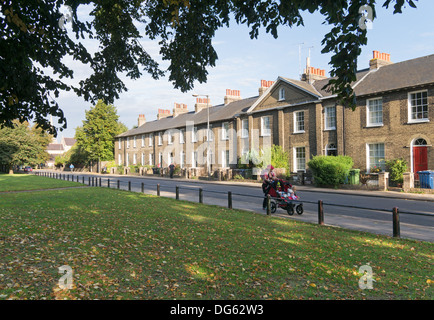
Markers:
171,170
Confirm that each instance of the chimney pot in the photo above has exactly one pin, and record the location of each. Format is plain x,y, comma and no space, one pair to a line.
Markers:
141,120
379,59
233,95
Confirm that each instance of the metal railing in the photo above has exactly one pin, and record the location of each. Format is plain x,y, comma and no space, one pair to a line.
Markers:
97,182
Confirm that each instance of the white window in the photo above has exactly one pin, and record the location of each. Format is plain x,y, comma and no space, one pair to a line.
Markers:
330,118
418,106
266,126
119,143
194,135
182,159
299,122
210,136
151,139
134,142
225,158
135,159
181,136
151,159
143,159
299,158
128,142
245,128
194,159
170,137
171,158
375,152
143,140
282,94
225,131
160,159
128,160
160,138
374,112
119,159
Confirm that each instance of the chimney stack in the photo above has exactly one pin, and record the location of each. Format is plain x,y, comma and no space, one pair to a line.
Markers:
264,86
311,74
232,95
163,113
379,59
201,103
141,121
179,108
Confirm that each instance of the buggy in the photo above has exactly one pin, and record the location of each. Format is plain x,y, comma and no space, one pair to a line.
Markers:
283,196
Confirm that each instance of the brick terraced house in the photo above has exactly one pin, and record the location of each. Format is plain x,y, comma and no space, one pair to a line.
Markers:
394,118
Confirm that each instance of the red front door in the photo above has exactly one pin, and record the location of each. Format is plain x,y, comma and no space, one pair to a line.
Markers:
420,160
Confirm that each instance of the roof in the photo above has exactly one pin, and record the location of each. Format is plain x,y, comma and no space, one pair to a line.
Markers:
406,74
55,146
216,113
69,141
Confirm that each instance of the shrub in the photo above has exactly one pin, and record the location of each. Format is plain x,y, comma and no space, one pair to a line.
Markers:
396,169
330,170
120,169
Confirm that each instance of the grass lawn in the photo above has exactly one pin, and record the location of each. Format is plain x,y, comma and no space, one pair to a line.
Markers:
22,182
125,245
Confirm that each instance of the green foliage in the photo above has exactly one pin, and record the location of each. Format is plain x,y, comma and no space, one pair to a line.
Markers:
275,155
396,169
96,137
23,145
279,158
330,170
30,37
120,169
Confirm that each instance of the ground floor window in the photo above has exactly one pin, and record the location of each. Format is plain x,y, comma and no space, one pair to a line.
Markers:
300,158
375,157
331,150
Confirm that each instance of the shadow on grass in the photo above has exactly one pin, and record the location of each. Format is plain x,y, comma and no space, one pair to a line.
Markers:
122,244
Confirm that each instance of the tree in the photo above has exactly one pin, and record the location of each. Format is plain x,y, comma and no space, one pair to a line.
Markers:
22,145
32,37
96,137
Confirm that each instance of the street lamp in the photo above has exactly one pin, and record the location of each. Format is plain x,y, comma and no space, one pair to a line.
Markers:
207,131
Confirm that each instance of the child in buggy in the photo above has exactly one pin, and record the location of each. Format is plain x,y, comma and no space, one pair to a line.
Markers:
283,194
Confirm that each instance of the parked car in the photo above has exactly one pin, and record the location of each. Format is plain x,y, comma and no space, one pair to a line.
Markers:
28,169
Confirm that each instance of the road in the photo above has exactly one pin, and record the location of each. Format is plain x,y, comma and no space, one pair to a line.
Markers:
416,215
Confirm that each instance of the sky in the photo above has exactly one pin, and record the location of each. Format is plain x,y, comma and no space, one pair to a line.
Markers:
242,62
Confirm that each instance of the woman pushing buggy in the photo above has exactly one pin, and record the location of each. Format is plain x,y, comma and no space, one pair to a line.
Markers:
282,194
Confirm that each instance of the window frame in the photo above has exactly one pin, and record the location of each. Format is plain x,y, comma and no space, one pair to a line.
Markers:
296,122
296,159
263,133
369,113
410,107
369,164
225,130
282,94
327,117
